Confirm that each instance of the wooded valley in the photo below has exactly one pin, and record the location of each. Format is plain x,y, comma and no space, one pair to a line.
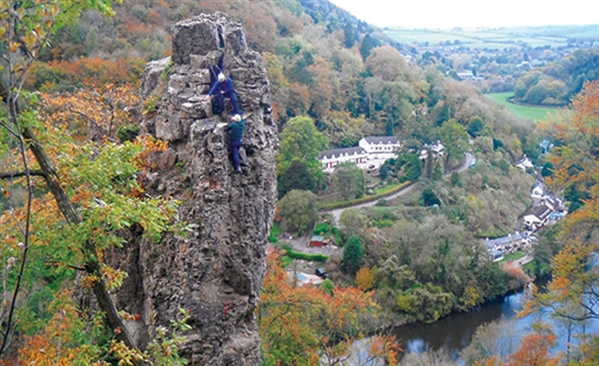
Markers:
85,184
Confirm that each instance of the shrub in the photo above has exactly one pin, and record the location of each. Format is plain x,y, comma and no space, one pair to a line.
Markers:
322,228
128,132
305,256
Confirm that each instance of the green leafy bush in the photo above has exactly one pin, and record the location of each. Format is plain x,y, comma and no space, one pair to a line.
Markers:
128,132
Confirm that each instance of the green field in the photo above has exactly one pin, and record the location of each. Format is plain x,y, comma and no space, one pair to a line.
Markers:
536,113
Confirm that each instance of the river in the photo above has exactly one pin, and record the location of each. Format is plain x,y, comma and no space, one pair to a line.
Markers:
455,332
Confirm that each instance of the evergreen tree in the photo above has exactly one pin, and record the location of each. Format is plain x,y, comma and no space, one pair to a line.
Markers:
368,43
350,35
352,255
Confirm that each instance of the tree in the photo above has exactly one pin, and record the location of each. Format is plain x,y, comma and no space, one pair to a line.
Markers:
428,164
411,165
429,303
58,343
475,125
365,278
350,35
497,340
387,63
547,170
349,180
342,130
298,210
296,177
455,180
307,326
454,138
352,254
368,43
76,213
572,293
576,143
429,198
534,351
353,222
437,171
97,110
301,141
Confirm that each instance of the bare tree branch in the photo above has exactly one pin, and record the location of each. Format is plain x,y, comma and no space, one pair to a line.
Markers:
9,175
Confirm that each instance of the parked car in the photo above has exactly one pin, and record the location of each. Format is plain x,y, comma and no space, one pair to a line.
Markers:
321,272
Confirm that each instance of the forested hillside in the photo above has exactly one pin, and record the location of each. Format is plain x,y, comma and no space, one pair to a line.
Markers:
557,82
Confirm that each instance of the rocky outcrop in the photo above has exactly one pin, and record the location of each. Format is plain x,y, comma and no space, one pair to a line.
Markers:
216,271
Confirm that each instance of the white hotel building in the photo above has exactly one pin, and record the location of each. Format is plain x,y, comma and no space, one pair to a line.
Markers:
371,152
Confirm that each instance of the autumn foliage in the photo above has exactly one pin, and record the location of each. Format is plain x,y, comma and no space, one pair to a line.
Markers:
61,341
365,278
534,351
304,325
62,74
91,111
572,293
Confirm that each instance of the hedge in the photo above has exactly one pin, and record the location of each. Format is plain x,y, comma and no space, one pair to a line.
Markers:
305,256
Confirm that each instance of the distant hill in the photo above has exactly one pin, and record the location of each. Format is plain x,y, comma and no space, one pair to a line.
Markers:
496,38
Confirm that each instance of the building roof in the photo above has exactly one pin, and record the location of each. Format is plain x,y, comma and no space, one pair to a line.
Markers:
517,236
541,212
552,203
381,140
317,238
525,163
338,152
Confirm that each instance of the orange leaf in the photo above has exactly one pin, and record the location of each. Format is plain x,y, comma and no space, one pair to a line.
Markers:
14,46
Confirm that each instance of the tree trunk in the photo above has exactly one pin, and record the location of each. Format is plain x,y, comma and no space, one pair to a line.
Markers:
91,265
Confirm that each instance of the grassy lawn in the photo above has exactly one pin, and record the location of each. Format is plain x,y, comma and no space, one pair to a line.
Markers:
378,194
387,188
536,113
512,256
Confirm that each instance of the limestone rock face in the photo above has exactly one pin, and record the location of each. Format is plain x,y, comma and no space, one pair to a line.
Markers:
217,270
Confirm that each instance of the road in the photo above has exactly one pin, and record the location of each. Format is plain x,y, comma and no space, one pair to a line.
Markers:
468,159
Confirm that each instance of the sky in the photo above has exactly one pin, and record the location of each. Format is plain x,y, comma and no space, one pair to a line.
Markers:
472,13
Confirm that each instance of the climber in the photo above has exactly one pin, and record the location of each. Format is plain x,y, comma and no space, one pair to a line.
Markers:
223,88
236,128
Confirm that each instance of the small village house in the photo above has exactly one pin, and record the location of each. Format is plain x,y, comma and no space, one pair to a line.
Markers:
331,158
540,214
538,191
525,164
507,244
